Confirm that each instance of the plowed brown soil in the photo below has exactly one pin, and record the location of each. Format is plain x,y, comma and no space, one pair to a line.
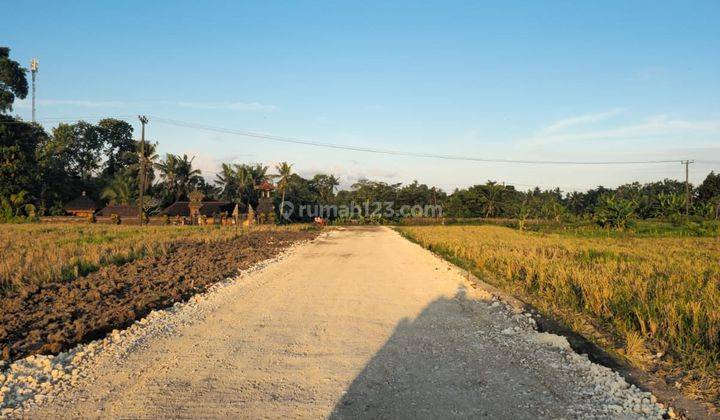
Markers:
56,316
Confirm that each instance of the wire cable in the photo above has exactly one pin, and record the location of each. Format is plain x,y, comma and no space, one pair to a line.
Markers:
295,140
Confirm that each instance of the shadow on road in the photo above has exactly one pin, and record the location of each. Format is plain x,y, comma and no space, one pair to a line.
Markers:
437,366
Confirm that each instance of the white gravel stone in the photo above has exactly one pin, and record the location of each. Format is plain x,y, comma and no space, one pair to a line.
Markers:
20,379
603,391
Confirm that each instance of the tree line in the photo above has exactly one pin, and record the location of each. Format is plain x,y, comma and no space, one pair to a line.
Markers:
41,171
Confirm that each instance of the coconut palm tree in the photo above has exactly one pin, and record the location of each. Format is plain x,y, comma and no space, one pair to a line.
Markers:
178,175
243,179
333,183
492,195
227,180
258,173
149,162
187,177
120,190
235,180
284,170
168,174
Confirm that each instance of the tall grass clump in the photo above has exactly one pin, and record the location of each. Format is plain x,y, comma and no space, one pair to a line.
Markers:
643,296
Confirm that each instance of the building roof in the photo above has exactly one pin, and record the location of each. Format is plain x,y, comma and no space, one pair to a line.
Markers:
123,210
83,203
208,208
265,185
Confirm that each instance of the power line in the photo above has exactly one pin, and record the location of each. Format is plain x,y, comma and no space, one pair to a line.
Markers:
295,140
76,119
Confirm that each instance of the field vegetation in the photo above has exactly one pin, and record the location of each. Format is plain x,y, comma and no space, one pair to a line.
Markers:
39,253
652,298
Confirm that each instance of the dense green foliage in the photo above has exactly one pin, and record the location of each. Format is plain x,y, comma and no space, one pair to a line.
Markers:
13,83
48,170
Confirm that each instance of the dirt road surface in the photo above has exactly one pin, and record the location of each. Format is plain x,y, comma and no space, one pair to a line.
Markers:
358,323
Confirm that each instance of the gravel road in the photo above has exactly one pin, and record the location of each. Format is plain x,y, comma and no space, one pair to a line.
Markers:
357,323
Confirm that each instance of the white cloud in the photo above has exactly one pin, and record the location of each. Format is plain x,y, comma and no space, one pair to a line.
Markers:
658,126
581,120
208,165
349,175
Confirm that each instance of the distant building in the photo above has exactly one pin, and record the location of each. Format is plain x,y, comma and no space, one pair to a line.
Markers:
206,208
82,206
120,210
265,209
196,211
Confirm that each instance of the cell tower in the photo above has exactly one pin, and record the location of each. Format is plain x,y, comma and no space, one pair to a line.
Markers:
34,66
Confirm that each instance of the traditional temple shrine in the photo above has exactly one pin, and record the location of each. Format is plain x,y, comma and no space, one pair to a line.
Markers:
265,209
82,206
196,211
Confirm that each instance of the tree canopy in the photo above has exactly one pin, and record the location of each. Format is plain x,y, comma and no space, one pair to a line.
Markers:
13,83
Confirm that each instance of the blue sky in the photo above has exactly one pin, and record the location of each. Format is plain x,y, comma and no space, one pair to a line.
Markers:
518,80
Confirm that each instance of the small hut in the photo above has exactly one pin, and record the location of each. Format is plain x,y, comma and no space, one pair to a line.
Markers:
82,206
265,209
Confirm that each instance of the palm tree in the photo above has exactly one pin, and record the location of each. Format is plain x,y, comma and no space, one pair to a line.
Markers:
120,190
234,181
168,173
333,183
149,162
258,173
575,202
187,178
178,175
492,194
243,179
227,180
284,170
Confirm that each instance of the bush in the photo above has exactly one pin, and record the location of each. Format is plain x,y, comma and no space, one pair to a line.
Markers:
13,209
614,212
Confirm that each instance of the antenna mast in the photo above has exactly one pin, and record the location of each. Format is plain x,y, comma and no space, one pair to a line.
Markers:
34,66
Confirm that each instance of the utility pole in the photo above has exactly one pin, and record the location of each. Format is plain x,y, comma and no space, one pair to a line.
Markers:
34,67
143,120
687,186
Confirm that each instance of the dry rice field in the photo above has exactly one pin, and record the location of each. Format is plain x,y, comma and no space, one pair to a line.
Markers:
36,254
652,300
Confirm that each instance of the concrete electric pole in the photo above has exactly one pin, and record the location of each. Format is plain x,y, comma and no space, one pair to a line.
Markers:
143,120
34,67
687,186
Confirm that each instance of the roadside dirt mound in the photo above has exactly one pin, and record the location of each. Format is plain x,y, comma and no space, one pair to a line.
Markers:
56,316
